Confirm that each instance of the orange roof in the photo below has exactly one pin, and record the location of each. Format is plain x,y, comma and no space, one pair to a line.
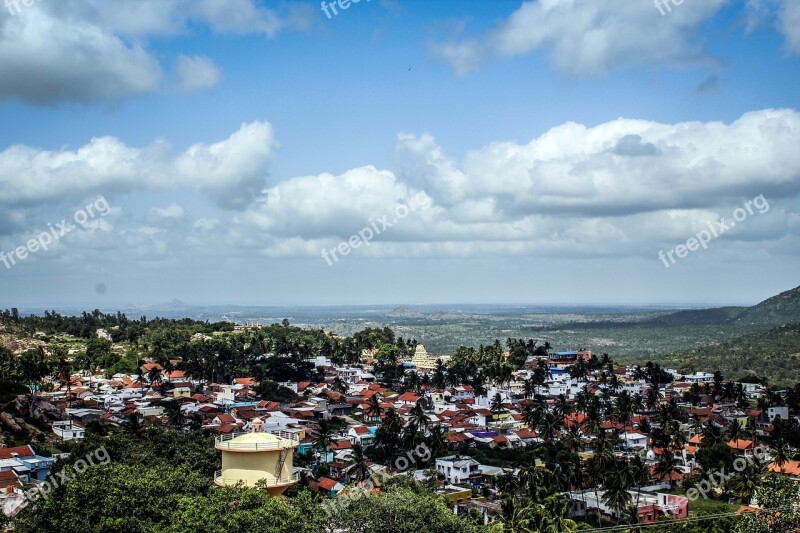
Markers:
408,397
326,483
790,467
697,438
741,444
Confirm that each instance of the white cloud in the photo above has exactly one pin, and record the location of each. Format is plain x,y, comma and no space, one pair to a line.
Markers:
95,50
196,72
616,188
586,37
621,188
231,172
790,24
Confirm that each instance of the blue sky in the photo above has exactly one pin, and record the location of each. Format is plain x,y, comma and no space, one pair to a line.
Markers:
559,146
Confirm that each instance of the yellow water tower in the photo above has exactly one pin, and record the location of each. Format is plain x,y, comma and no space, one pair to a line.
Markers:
257,459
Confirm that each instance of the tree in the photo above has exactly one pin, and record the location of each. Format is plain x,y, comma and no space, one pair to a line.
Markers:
109,498
497,404
397,510
373,407
358,464
616,493
745,483
242,510
324,438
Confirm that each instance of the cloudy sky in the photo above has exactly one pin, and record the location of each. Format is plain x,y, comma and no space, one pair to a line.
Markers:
540,151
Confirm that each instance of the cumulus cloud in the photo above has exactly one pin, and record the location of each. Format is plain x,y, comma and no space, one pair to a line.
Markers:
615,188
585,37
93,50
618,189
231,171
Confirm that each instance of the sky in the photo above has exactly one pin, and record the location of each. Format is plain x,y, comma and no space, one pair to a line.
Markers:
254,152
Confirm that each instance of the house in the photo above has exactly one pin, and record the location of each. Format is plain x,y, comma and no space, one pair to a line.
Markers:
743,447
789,469
635,441
329,487
25,463
68,430
407,398
458,469
360,435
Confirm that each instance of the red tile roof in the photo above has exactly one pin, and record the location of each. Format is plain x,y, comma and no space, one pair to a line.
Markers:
326,483
21,451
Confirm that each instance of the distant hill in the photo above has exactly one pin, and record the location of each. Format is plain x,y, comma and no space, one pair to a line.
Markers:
775,311
773,354
405,311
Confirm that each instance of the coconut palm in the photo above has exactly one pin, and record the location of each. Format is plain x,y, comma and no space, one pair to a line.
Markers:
497,404
744,483
373,407
616,493
359,469
324,437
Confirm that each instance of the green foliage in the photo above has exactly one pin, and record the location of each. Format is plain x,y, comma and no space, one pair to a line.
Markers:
273,392
398,510
235,510
114,497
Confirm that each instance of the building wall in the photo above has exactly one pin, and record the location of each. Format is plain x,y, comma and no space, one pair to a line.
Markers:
251,467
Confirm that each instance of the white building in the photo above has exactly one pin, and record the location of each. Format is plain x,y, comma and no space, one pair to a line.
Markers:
457,469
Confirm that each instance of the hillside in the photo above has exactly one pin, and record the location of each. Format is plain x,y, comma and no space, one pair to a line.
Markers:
775,311
773,354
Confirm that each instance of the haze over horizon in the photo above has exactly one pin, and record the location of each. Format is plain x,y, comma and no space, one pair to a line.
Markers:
546,151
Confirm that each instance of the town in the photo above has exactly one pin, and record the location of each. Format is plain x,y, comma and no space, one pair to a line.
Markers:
502,434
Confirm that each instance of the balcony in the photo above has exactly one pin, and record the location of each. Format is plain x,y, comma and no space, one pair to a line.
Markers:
227,442
231,481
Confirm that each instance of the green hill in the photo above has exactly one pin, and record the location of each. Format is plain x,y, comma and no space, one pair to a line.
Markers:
773,354
775,311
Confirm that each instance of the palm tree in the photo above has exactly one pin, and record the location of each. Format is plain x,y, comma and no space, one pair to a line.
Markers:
497,404
616,493
324,437
782,454
639,474
436,441
358,464
418,416
748,480
532,413
666,465
734,432
373,407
